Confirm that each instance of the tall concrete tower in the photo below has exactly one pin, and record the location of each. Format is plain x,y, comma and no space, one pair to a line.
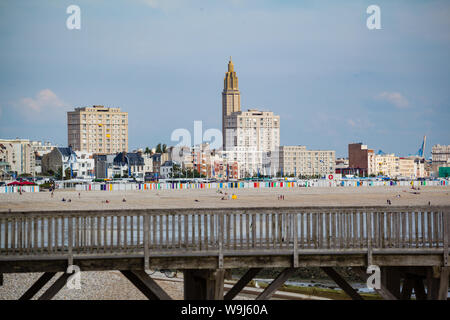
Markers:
231,97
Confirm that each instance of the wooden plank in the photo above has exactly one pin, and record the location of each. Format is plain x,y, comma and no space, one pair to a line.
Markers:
167,216
19,235
35,234
7,226
302,230
407,287
382,231
49,234
199,221
429,227
173,233
422,218
221,235
416,228
146,284
138,230
355,229
13,235
361,230
227,243
308,229
37,286
29,233
243,281
336,277
339,239
275,284
55,287
205,223
79,236
179,230
446,236
404,231
111,234
125,233
70,239
280,229
146,237
132,243
320,230
261,222
314,230
436,229
193,230
274,230
119,232
253,227
410,226
186,231
247,227
294,217
92,234
389,230
212,219
443,283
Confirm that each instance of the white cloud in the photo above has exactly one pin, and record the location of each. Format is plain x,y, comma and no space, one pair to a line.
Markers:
44,101
359,123
395,98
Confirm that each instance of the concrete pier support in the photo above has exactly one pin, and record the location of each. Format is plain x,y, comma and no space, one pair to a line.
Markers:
203,284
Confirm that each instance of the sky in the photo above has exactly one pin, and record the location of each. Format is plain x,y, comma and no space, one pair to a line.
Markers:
315,63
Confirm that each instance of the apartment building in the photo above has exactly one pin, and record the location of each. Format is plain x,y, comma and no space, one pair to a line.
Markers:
98,129
18,156
298,161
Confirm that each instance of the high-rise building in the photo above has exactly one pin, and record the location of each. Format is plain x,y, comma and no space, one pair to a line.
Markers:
231,97
361,159
440,156
98,129
297,161
250,137
18,154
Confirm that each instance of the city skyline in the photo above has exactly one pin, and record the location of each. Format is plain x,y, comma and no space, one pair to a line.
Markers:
340,83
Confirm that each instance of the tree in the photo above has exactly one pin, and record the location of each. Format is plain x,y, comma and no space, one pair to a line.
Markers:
58,174
158,148
67,174
164,148
148,151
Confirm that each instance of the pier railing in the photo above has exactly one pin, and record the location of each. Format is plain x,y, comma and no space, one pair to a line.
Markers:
203,232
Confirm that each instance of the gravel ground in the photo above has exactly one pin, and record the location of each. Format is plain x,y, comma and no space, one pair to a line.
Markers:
108,285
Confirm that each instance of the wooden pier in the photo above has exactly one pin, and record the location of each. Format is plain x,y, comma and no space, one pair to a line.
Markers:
409,244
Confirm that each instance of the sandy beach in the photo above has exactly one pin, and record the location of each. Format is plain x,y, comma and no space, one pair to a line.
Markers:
211,198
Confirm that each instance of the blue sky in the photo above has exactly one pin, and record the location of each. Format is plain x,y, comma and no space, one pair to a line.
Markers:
315,63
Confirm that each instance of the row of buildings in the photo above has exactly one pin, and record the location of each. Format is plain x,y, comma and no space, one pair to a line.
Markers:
363,161
98,148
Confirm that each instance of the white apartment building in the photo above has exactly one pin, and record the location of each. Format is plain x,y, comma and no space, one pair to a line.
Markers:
440,153
253,139
387,164
19,154
98,129
297,161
